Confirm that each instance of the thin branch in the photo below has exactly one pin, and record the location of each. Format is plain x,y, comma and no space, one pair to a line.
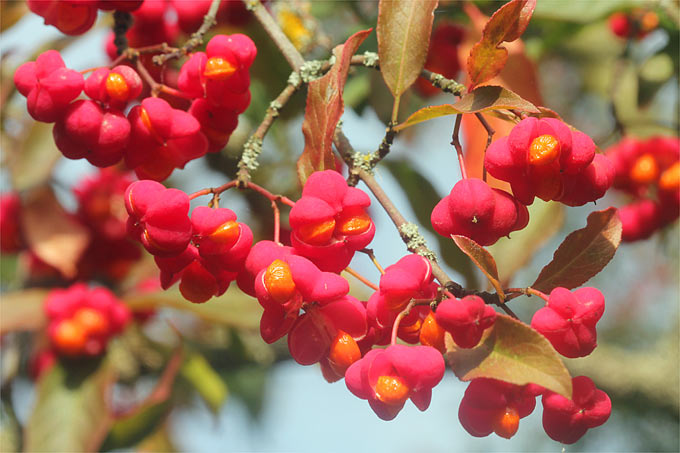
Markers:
249,157
290,53
455,141
489,138
361,278
196,38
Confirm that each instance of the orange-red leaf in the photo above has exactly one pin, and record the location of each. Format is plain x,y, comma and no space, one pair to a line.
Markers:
583,253
512,352
324,109
487,58
482,259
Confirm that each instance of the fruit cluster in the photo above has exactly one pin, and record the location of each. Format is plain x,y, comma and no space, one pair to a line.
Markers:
637,23
155,20
648,171
153,138
83,320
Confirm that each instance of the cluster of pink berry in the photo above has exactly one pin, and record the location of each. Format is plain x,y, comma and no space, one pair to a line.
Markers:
649,171
154,19
637,23
305,300
83,320
540,158
154,138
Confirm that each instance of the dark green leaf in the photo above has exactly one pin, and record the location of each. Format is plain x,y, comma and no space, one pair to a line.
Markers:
71,411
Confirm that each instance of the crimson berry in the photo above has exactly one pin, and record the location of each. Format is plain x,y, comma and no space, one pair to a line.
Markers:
48,85
544,158
260,257
620,25
162,139
565,420
465,319
115,87
86,130
120,5
329,223
82,320
11,238
158,217
479,212
217,123
568,320
72,17
388,377
490,405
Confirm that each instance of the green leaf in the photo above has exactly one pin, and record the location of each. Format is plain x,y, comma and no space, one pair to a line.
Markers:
583,253
481,99
128,431
512,352
22,310
581,12
71,411
403,30
140,421
545,220
324,109
423,197
198,371
234,308
487,58
10,431
482,259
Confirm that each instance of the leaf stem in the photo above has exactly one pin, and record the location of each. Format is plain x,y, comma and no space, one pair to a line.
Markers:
455,141
361,278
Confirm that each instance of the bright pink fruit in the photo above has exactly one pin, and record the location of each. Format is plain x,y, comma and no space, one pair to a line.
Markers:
490,405
158,217
48,85
465,319
566,420
475,210
568,320
72,17
388,377
330,223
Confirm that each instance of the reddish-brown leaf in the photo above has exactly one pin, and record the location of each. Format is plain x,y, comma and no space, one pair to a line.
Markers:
52,234
487,58
22,310
512,352
481,99
404,28
482,259
583,253
324,109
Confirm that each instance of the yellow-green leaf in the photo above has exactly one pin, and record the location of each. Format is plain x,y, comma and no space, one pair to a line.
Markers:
511,351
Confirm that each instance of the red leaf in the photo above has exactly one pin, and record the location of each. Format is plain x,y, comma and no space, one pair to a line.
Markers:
482,259
487,58
583,253
324,109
